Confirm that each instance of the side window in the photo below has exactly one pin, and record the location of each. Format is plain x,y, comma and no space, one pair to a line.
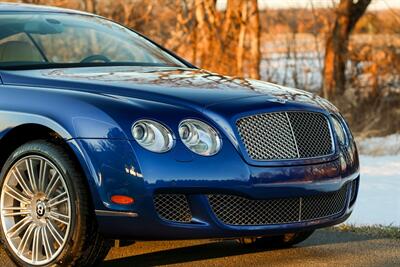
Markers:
20,37
19,48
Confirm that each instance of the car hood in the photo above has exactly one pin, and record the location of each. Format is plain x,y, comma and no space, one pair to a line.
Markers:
164,84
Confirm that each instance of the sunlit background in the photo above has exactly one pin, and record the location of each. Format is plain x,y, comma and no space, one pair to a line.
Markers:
296,44
375,5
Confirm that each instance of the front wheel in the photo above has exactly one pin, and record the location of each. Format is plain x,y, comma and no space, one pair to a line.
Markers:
45,209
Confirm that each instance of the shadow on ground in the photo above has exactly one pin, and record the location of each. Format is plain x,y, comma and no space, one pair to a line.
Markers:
218,249
324,248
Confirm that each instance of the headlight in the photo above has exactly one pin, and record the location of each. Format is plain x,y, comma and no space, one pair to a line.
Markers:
340,131
152,136
199,137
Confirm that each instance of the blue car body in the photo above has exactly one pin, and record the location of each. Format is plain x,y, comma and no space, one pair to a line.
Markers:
93,110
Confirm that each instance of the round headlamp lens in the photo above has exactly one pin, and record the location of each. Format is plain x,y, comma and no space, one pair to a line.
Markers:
152,136
139,131
199,137
184,132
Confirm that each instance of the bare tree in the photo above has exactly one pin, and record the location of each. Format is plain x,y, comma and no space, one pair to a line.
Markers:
249,34
242,39
226,36
255,40
207,43
347,14
90,5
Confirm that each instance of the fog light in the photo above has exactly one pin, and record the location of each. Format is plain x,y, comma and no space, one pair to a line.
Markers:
122,200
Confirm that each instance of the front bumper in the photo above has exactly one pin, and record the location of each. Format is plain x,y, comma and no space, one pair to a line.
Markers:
149,226
115,169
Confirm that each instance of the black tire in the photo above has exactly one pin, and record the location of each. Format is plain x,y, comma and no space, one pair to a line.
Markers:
278,241
84,246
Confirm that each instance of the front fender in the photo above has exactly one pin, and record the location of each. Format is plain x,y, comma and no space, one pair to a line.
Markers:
70,114
113,170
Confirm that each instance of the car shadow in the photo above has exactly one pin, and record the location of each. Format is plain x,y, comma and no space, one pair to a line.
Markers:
221,249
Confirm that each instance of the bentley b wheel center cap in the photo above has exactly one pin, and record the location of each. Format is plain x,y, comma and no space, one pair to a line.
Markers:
40,208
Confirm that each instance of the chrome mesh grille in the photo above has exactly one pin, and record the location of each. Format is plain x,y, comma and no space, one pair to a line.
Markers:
324,205
173,207
268,136
235,210
311,131
285,135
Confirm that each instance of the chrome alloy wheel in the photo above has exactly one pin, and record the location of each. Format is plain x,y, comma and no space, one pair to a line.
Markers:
35,210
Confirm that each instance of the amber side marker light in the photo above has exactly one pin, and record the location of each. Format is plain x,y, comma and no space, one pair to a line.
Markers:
122,200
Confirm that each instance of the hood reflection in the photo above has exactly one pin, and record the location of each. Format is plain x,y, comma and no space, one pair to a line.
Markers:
181,78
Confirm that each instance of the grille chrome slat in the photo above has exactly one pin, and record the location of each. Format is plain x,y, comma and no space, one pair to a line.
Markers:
236,210
294,137
312,134
286,135
173,207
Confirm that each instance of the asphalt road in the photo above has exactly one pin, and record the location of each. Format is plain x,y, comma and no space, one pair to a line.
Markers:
324,248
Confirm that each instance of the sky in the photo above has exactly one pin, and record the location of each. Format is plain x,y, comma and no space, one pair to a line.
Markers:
376,4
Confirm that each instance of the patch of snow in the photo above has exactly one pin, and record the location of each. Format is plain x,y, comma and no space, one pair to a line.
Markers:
379,196
302,70
378,146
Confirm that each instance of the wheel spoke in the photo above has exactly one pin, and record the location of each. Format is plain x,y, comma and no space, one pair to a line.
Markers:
54,201
19,227
58,202
42,175
19,213
48,249
36,246
54,213
54,232
31,174
22,182
53,182
16,195
26,239
15,208
55,218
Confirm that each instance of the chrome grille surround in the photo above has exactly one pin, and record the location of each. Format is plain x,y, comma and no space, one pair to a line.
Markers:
236,210
354,191
173,207
286,135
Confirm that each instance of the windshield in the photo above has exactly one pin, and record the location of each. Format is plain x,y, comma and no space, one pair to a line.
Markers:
42,40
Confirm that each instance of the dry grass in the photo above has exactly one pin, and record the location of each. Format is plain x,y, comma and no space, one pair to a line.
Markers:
373,230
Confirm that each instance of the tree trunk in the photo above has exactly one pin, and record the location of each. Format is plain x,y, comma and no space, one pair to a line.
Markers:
230,38
127,7
90,6
254,36
208,47
242,40
336,54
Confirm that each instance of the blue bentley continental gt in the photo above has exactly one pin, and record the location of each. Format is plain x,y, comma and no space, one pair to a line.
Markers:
105,135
